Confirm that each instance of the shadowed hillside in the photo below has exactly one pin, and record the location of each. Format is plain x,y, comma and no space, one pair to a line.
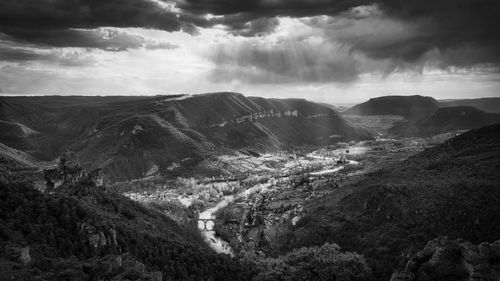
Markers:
446,119
78,230
410,107
491,105
130,137
16,166
81,232
449,190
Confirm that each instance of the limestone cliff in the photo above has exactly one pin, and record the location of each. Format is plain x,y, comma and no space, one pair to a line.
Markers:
69,172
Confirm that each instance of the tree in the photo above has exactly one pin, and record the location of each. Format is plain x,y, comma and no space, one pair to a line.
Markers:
326,262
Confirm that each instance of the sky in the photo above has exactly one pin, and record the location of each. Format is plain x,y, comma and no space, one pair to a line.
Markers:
340,52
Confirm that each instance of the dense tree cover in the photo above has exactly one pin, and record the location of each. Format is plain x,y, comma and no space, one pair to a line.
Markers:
74,230
326,262
450,190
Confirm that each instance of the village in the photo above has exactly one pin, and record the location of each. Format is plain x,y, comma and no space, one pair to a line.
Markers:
266,193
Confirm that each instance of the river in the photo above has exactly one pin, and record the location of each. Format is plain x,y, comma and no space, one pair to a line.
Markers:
216,243
221,246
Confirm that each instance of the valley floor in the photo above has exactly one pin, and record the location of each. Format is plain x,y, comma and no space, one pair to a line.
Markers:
266,195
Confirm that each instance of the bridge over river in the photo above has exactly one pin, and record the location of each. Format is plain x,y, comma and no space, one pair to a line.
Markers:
208,224
207,218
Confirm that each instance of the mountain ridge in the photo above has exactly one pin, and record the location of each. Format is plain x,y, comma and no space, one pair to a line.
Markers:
130,136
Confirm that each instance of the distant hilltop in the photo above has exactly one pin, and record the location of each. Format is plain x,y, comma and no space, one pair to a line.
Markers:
424,116
411,107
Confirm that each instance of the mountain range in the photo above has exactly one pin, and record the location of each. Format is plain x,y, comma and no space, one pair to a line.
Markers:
132,137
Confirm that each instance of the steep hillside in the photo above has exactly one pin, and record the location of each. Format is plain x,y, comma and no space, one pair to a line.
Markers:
451,260
491,105
14,159
44,126
16,165
79,230
410,107
131,137
82,232
449,190
447,119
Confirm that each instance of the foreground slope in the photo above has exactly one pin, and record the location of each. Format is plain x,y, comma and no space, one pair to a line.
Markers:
131,137
78,230
82,232
445,259
450,190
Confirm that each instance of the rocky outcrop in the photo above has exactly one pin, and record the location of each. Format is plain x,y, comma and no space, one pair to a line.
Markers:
69,172
130,269
18,254
98,238
458,260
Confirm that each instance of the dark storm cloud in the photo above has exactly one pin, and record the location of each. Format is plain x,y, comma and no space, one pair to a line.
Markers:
246,25
60,14
251,28
259,8
15,52
50,21
66,58
109,39
19,55
389,34
257,17
283,63
18,52
447,25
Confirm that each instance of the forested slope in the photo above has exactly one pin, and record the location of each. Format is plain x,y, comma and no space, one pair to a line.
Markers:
450,190
85,233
